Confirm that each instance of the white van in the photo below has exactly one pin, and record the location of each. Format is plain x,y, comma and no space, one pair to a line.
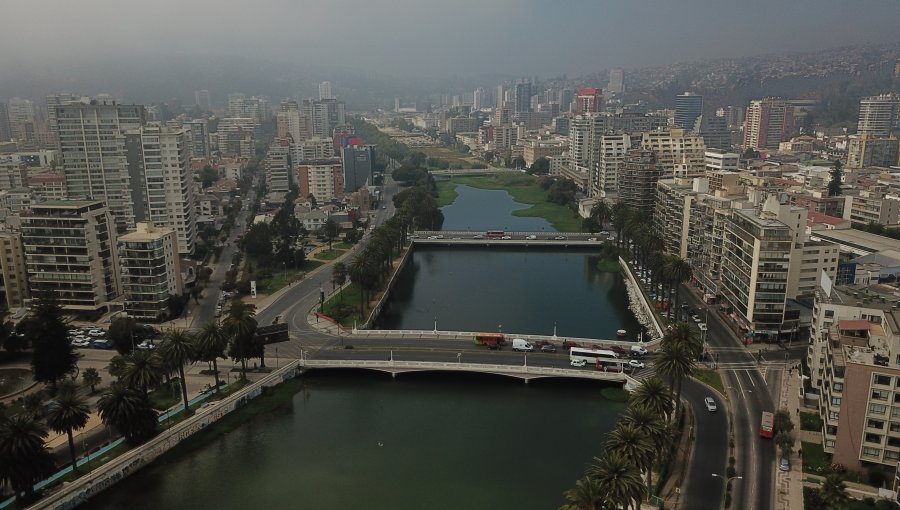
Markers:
519,344
638,350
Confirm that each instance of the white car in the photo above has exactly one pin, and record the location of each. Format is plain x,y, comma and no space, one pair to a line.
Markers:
81,343
506,238
710,404
633,363
532,237
578,362
96,333
592,238
146,345
703,326
604,233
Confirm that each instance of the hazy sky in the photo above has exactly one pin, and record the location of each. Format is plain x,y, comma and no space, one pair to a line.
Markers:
517,37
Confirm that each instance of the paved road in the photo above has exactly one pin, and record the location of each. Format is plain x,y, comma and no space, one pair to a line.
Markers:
749,394
710,450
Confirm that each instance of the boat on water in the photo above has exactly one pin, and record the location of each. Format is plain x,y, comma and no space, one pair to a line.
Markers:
621,332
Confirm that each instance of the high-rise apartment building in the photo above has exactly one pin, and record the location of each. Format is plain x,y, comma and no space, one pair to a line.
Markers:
151,271
54,100
866,150
637,180
14,284
325,115
611,153
70,252
768,122
678,152
199,138
359,166
879,115
616,81
588,101
523,96
161,180
278,167
688,107
325,90
478,99
92,153
202,100
5,132
714,130
323,179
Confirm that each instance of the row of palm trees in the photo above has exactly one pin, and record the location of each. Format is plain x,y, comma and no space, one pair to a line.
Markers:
644,436
373,264
125,405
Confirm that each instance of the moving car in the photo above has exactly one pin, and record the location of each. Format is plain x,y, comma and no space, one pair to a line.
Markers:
560,238
702,326
578,362
638,351
635,363
592,238
532,237
710,404
548,348
519,344
506,238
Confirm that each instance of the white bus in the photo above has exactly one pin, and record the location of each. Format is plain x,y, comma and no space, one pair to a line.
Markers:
591,355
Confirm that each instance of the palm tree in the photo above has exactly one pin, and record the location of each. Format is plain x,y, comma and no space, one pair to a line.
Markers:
654,395
70,413
128,410
212,341
652,425
681,333
240,324
601,212
117,366
586,495
143,370
634,444
620,213
24,458
178,349
91,377
833,493
619,478
679,271
675,362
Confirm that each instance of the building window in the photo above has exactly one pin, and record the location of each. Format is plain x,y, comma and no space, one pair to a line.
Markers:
889,455
871,452
884,380
895,427
880,395
875,424
873,408
829,443
829,313
839,386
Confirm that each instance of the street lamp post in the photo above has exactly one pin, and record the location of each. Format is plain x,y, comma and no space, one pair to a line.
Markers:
727,481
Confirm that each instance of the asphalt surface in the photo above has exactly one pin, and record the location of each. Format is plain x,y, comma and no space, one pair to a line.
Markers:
749,393
710,449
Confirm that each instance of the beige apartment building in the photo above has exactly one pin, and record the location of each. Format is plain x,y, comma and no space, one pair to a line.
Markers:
151,271
863,207
12,269
679,153
70,252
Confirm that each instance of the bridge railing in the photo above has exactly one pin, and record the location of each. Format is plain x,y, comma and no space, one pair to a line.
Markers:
463,367
544,234
470,336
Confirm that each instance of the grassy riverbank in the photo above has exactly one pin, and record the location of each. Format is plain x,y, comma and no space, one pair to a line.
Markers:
524,189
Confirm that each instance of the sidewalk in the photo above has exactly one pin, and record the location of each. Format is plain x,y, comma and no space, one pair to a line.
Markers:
789,484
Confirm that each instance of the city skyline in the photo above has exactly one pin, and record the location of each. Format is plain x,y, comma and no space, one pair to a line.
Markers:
412,38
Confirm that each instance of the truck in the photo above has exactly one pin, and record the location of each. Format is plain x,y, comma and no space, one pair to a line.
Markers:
519,344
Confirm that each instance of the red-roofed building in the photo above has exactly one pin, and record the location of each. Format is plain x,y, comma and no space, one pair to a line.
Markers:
818,221
588,101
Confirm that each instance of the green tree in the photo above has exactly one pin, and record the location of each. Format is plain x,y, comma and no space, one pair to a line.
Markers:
653,394
128,410
652,425
142,370
24,459
837,175
121,334
69,414
834,493
620,480
783,421
587,494
682,334
785,442
679,271
53,354
91,377
330,231
601,213
634,444
240,325
208,176
338,275
675,362
178,349
10,341
540,166
212,342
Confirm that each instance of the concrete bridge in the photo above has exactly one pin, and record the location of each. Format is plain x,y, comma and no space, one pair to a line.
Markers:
464,238
472,171
469,337
524,372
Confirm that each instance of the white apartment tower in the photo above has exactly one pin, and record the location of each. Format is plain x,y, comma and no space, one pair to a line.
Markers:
92,153
325,90
879,115
161,179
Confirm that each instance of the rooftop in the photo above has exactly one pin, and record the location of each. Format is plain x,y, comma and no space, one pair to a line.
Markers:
857,241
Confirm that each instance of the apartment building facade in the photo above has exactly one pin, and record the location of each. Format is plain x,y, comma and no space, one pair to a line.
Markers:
151,271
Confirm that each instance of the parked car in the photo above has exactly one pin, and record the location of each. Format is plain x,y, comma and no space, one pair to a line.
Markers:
578,362
102,344
784,464
710,404
702,326
81,343
146,345
96,333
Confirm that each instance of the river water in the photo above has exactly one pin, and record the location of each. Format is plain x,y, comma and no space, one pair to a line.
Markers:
367,441
358,440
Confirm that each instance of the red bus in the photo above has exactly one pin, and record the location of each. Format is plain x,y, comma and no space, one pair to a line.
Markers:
492,340
767,426
494,234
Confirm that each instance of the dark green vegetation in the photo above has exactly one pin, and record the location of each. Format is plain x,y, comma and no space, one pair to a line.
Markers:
811,422
644,439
